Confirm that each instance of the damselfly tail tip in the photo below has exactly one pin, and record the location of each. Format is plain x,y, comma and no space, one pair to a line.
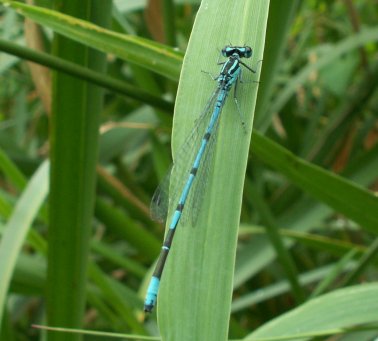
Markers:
148,308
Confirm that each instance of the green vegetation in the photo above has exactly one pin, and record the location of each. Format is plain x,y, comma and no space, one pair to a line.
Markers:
285,244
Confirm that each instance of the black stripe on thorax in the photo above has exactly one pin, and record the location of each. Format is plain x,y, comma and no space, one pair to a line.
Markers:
231,67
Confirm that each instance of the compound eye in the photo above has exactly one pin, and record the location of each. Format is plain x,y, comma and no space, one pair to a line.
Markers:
227,51
247,52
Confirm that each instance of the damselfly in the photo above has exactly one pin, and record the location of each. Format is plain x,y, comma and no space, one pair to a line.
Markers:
229,76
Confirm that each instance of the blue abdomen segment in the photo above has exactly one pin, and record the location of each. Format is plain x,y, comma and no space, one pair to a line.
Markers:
153,287
151,295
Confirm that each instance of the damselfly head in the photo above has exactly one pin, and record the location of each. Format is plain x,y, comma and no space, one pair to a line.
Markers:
241,51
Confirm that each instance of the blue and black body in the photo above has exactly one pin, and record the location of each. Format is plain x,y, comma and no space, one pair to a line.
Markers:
228,77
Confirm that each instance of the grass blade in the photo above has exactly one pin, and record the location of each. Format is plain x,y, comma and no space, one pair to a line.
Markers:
195,298
330,311
85,73
153,56
344,196
74,139
17,227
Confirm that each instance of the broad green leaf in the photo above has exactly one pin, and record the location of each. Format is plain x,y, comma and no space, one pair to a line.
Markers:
194,302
